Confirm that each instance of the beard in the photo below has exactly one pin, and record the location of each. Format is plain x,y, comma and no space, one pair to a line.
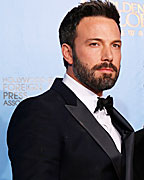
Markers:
88,78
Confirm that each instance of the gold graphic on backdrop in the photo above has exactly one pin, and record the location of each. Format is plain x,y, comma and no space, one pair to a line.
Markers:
132,15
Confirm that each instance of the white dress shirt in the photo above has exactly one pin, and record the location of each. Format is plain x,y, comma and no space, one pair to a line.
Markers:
90,100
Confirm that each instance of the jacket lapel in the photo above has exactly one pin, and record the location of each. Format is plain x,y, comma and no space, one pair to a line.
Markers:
87,121
127,134
129,146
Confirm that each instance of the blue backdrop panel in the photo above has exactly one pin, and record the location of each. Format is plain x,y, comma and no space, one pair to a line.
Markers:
30,57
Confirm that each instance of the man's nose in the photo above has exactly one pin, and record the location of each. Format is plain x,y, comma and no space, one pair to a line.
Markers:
107,54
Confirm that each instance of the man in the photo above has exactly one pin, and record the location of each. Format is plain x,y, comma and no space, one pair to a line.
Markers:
138,155
61,134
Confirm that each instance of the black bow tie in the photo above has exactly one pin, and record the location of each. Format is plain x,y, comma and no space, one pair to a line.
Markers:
107,103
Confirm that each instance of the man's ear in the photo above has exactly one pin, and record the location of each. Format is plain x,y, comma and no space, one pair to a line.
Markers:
67,53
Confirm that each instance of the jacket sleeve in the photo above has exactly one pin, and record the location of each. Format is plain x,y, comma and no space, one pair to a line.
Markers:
34,142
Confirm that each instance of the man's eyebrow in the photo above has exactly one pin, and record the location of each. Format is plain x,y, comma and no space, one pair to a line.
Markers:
94,39
117,41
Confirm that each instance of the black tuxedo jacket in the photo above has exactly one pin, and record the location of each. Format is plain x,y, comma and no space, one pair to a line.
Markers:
55,137
139,155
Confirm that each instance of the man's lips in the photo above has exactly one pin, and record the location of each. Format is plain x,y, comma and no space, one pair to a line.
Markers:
106,69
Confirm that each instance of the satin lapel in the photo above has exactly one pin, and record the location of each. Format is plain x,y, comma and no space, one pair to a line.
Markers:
87,121
128,140
129,147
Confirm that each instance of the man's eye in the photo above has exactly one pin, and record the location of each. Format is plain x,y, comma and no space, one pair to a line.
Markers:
93,44
116,45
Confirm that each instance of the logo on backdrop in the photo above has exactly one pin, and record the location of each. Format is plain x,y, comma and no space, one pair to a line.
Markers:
15,89
132,17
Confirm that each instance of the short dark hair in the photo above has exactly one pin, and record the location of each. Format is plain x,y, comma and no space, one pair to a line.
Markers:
67,30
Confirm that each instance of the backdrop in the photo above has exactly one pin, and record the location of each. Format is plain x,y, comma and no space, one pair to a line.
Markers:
30,59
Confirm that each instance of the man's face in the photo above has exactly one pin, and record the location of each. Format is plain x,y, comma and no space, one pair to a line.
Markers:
97,53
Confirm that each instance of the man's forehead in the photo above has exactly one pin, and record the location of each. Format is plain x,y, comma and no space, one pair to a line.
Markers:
98,26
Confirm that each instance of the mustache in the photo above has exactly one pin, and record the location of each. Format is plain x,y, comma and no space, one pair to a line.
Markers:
105,65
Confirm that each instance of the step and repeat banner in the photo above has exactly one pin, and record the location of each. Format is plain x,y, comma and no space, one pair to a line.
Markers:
30,59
